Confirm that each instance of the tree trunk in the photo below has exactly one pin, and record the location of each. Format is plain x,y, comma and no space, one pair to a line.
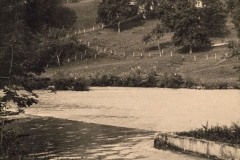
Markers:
159,49
58,59
119,25
190,48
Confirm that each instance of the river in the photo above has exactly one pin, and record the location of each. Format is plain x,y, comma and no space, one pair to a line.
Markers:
139,111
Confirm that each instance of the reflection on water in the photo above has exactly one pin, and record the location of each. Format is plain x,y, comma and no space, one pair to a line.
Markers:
51,138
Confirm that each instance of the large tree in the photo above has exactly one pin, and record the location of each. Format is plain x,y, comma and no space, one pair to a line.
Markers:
20,58
59,44
47,13
189,29
115,11
214,17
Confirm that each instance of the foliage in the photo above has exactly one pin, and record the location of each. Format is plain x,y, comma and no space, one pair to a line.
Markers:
68,81
214,17
236,16
40,14
59,44
216,133
173,80
21,61
155,35
114,11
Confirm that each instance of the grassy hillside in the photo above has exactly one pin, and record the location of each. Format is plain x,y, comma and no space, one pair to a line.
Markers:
210,66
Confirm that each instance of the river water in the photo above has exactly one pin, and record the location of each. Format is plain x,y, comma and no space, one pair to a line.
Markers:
139,111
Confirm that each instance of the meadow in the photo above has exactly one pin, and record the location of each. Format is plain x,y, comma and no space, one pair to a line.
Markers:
119,53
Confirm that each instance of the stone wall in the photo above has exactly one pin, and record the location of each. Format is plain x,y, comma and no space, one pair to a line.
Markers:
208,148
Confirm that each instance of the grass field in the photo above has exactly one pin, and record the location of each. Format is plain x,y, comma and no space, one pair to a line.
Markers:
210,66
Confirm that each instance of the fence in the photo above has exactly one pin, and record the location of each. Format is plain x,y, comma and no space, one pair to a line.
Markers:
96,51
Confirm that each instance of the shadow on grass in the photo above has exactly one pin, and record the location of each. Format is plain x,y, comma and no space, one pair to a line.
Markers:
53,138
155,47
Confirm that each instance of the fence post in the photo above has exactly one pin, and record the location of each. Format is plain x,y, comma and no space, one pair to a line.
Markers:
149,54
124,54
81,57
182,57
195,59
97,48
84,31
171,54
133,54
115,52
162,51
141,55
76,56
85,52
95,56
93,28
88,44
160,55
68,60
215,56
207,57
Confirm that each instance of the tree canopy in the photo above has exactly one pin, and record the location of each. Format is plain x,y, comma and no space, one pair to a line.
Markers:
192,25
114,11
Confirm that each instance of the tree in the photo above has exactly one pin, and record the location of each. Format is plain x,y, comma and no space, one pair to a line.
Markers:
236,16
155,35
214,17
20,58
115,11
59,44
40,14
189,30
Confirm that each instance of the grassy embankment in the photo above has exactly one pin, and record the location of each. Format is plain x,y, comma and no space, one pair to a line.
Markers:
202,71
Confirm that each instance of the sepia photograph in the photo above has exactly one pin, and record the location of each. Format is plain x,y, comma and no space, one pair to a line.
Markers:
119,79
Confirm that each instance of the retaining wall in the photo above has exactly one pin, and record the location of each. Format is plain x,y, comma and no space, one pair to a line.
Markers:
208,148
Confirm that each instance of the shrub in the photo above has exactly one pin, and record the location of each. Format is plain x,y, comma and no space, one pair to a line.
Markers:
173,80
217,133
67,81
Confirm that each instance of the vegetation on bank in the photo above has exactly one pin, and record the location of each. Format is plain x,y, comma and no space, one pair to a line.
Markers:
217,133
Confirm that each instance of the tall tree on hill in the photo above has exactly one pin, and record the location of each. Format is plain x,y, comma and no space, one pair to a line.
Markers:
189,30
115,11
214,17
